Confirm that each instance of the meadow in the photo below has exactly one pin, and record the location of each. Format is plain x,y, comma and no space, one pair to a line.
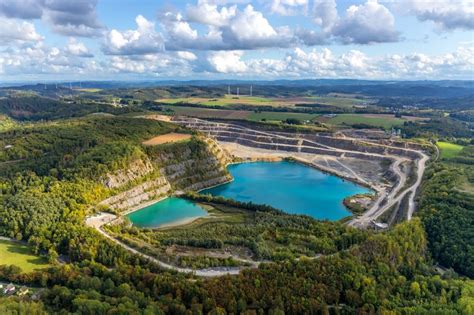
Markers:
21,255
374,120
238,114
229,100
449,150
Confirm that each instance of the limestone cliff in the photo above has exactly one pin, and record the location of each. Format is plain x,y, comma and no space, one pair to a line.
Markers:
194,165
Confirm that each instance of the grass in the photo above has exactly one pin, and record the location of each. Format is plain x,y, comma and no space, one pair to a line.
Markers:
228,100
237,114
21,255
382,121
223,101
6,123
279,116
89,90
209,113
449,150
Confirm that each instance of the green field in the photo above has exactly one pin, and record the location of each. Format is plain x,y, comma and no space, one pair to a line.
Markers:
279,116
228,100
449,150
13,253
89,90
382,121
224,101
237,114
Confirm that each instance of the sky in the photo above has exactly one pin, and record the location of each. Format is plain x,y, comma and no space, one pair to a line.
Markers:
44,40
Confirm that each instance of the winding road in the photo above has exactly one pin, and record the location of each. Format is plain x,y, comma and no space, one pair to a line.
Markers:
102,218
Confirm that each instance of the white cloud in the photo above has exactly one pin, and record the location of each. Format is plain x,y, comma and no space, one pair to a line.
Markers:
209,14
446,14
289,7
187,55
78,49
228,29
143,40
227,61
37,59
17,31
177,28
352,64
366,24
249,29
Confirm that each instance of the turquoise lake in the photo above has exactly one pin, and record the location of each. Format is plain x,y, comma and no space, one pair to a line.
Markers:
292,187
167,211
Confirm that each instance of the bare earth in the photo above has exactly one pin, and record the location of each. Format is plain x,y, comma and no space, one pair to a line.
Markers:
167,138
156,117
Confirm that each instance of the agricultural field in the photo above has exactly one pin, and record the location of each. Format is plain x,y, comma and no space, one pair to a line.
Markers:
375,120
209,112
228,100
449,150
89,90
167,138
21,255
279,116
200,112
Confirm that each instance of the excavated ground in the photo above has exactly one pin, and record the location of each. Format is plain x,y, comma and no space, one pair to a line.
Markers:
377,163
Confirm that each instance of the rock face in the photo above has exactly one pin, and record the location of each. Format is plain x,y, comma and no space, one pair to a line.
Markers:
135,170
189,168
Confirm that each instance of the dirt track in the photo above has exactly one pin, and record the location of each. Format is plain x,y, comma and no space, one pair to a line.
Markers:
101,219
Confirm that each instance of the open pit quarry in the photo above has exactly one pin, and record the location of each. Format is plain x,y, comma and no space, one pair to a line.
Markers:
392,168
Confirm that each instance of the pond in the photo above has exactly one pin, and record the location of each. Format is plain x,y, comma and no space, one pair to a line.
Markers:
292,187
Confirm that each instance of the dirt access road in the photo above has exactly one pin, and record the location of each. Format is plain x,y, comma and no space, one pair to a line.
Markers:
102,218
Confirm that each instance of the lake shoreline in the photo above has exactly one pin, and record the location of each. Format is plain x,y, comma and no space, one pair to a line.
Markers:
186,221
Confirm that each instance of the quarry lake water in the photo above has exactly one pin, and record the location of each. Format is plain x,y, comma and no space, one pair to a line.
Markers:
292,187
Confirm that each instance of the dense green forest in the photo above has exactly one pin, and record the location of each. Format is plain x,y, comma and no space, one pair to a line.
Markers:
447,211
50,175
34,108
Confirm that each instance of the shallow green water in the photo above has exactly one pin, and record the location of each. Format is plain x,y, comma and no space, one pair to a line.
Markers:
292,187
167,211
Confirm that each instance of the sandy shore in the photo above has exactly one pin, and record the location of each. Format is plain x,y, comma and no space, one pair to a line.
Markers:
184,221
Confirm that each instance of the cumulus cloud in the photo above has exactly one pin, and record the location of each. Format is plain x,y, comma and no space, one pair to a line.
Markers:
227,61
288,7
209,14
78,49
39,59
446,14
228,28
144,40
160,64
71,18
325,13
177,28
17,31
324,63
366,24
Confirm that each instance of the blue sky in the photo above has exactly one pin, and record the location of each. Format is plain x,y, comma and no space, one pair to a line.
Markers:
215,39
